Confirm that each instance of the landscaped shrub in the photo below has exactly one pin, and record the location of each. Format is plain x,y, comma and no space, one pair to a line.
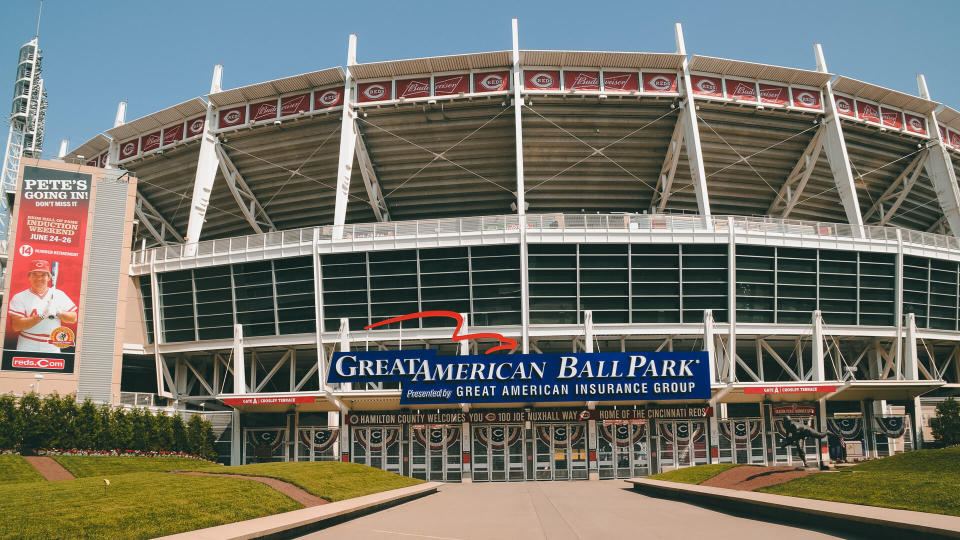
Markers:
946,425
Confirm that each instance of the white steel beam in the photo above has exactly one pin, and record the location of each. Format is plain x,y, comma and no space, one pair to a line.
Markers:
710,346
817,371
669,168
911,371
940,168
521,195
206,171
113,153
796,181
348,142
897,191
249,205
239,373
691,133
836,148
370,182
161,229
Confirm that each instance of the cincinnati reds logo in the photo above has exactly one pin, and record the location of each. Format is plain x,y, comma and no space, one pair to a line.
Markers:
806,98
232,117
490,417
542,80
197,125
353,419
660,83
129,148
584,415
915,124
375,91
25,250
843,105
61,337
707,86
329,97
492,82
37,363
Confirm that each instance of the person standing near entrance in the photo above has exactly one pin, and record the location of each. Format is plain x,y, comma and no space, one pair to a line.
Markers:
36,312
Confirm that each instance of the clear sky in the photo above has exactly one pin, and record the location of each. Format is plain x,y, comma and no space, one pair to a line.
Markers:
157,54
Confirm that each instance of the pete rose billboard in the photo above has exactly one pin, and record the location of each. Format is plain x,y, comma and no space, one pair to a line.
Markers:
46,271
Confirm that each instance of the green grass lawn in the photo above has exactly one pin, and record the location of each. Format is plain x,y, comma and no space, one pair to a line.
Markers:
14,469
137,505
693,475
332,480
85,466
924,480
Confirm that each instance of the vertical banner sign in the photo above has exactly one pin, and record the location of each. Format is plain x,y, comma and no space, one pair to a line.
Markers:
46,271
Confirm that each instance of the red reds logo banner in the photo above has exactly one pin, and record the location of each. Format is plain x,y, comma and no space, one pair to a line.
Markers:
129,149
375,91
706,86
294,104
868,112
806,99
891,118
491,82
413,88
844,106
195,126
943,133
450,85
151,141
741,90
46,271
954,139
660,82
915,124
103,160
233,117
172,134
588,81
93,163
324,99
265,110
772,94
541,80
615,81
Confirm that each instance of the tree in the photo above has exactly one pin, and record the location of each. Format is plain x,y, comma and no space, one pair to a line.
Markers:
200,437
10,425
946,425
88,426
32,432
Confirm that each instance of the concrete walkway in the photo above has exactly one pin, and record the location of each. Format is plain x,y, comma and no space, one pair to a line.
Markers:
605,510
302,496
49,468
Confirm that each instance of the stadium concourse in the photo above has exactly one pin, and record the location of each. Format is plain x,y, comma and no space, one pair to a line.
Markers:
665,254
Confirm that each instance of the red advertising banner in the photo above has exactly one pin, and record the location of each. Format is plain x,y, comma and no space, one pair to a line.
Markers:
93,163
151,141
282,400
413,88
741,90
291,105
172,134
324,99
788,389
659,82
539,79
46,271
129,148
494,81
103,160
586,81
614,81
868,112
954,139
806,99
891,118
915,124
233,117
375,91
195,126
844,106
943,133
265,110
707,86
772,94
451,85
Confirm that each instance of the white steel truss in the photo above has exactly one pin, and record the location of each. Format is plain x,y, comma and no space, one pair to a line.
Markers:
698,175
370,182
897,191
161,229
796,181
249,205
669,167
940,168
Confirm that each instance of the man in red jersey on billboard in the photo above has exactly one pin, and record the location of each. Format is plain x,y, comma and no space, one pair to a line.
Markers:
36,313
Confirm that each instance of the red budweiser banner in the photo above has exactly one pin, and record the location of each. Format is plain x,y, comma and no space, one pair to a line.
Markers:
233,117
706,86
868,112
915,124
491,82
291,105
413,88
806,99
540,79
581,80
172,134
46,271
129,149
151,142
772,94
324,99
265,110
375,91
659,82
891,118
741,90
451,85
844,106
195,126
614,81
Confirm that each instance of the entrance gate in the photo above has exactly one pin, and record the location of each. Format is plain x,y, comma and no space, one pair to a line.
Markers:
560,452
681,443
498,453
435,453
741,441
377,447
317,444
264,445
622,449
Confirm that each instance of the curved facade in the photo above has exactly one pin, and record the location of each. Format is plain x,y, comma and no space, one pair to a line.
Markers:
794,224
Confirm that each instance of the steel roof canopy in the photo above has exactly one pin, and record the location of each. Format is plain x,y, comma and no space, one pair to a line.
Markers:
180,112
751,70
434,64
92,148
268,89
949,117
597,59
885,96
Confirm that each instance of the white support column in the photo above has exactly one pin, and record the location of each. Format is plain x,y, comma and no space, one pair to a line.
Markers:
521,195
817,371
249,205
710,346
319,314
691,133
466,465
593,472
239,373
236,440
64,148
836,148
910,360
113,154
940,169
917,421
731,301
822,414
207,164
345,345
348,142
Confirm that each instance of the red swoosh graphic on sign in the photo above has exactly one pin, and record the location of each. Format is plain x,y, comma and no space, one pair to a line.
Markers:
506,344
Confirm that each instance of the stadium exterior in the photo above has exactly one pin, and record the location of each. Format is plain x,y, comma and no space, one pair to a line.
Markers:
799,227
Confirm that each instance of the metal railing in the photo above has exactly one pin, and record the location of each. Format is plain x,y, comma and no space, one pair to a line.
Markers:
398,234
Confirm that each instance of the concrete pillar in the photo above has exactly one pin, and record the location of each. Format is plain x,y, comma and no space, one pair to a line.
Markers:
236,440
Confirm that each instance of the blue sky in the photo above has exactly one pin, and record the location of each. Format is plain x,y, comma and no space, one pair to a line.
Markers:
97,53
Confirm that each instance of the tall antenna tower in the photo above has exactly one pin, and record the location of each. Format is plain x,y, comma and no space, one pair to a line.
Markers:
26,122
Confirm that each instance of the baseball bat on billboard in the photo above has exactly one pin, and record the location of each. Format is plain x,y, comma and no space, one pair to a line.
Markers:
46,271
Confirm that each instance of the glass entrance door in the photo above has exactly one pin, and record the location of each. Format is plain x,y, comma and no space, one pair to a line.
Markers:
377,447
560,451
264,445
498,453
317,444
681,443
622,449
741,440
435,453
